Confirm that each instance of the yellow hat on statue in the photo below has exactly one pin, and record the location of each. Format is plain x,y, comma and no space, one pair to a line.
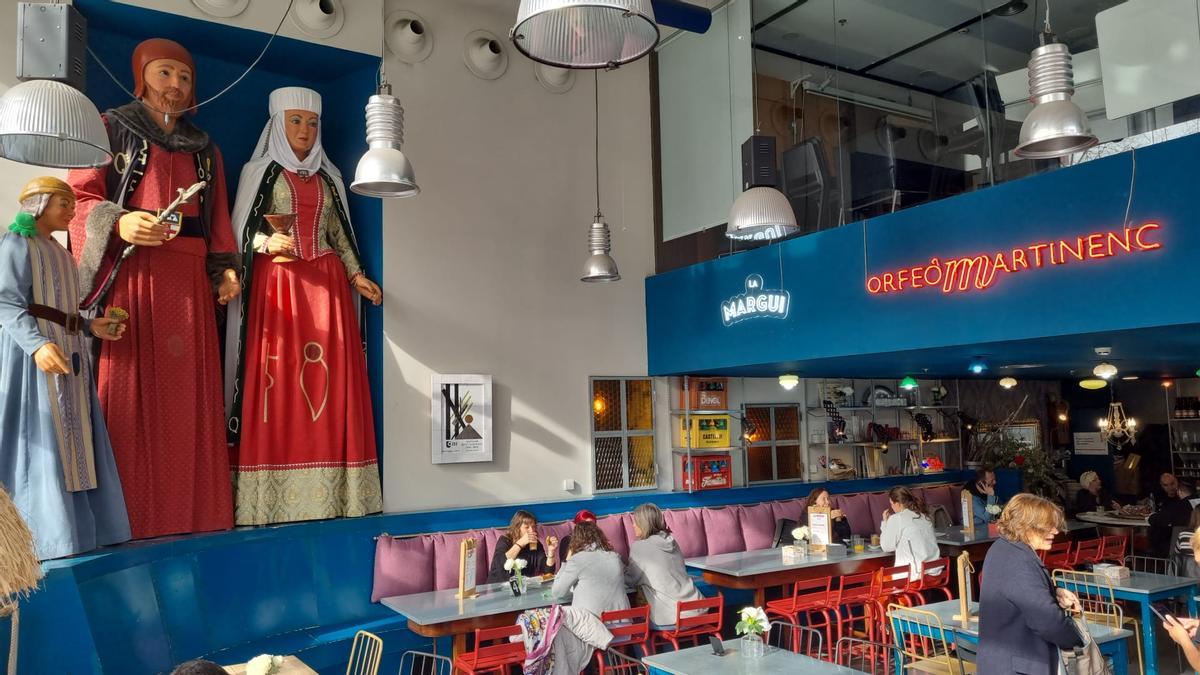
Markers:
44,185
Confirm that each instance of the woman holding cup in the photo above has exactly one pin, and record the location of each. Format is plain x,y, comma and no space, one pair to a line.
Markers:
521,541
838,524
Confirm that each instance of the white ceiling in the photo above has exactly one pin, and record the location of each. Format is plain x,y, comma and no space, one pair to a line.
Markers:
865,36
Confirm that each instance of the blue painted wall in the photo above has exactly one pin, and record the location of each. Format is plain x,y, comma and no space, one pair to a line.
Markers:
833,316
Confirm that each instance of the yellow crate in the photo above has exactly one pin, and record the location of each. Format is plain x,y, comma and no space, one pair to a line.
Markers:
708,431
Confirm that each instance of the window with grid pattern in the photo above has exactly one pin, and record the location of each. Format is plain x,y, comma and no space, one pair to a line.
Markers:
623,434
772,433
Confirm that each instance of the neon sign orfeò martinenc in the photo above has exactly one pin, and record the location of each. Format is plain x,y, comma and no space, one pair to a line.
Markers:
978,272
755,303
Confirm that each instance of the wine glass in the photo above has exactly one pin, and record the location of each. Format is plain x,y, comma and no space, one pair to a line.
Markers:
282,223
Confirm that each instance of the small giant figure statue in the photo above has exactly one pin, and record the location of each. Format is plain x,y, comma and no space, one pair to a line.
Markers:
55,457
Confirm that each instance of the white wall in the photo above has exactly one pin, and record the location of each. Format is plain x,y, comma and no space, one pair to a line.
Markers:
482,268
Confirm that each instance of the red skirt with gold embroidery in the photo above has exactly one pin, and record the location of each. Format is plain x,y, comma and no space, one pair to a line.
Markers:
307,443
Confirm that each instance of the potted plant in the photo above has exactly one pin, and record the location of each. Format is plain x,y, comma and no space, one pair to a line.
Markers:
753,627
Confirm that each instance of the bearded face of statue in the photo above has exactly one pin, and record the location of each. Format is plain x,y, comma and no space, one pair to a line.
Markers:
168,86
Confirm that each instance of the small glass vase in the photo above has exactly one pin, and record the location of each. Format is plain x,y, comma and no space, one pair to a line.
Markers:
752,646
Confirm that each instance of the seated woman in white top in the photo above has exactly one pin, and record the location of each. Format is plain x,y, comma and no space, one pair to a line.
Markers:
908,530
656,567
592,571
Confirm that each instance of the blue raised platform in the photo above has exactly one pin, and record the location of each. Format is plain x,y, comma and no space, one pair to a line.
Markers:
142,608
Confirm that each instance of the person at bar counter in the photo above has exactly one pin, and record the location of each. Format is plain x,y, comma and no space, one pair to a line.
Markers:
983,495
1170,511
1022,625
656,567
592,573
908,530
521,541
582,516
837,519
1093,495
160,387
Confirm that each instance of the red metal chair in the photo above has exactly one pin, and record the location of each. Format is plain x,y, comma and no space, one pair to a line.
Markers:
814,599
935,576
629,627
1112,549
857,591
1085,553
1058,557
893,586
692,628
495,657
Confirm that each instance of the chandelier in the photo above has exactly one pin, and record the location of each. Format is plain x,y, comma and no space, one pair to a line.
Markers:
1117,429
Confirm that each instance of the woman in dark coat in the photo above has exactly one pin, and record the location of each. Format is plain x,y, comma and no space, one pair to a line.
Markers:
1022,625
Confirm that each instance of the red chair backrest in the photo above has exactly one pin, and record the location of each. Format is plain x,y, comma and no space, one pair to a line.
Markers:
500,652
1113,548
813,592
1086,551
891,580
938,578
631,624
859,587
1058,557
708,621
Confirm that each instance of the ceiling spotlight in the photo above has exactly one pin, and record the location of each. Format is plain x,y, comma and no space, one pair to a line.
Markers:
1105,371
908,383
977,365
1062,417
1008,382
1011,9
1166,384
789,382
1093,384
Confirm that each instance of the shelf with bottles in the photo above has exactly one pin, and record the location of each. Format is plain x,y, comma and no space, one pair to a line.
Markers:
1185,409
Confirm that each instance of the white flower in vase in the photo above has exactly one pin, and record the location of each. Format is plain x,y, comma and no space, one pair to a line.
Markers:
515,564
753,621
264,664
800,533
994,509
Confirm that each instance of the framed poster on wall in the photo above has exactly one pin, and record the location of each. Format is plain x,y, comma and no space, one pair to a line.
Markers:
462,418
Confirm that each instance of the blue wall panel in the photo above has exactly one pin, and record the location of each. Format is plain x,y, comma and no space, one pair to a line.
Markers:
832,315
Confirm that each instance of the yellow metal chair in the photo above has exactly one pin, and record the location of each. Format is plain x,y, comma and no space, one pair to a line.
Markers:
1098,601
365,654
921,639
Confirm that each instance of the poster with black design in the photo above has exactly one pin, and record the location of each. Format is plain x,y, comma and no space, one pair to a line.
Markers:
462,418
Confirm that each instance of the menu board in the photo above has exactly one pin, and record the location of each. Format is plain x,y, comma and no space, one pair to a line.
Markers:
819,530
968,511
466,568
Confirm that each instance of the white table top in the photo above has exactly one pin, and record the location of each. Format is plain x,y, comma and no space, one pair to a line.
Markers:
441,606
947,609
957,536
775,661
1145,583
767,560
1110,518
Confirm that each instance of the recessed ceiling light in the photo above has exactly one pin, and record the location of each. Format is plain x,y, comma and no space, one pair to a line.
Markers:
1022,366
1011,9
1130,377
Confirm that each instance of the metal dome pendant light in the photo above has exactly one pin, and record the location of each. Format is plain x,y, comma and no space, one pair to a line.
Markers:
384,171
1056,126
585,33
52,124
599,266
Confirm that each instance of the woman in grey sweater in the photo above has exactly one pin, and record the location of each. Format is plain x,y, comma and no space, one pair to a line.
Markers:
656,566
592,571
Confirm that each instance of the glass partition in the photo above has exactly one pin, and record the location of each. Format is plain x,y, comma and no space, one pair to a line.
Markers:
879,105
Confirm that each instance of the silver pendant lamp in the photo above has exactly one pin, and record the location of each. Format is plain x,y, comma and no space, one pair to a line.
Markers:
600,266
1056,126
384,171
585,33
49,123
761,212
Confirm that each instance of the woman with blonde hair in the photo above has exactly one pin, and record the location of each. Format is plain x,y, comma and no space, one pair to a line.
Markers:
1022,625
656,567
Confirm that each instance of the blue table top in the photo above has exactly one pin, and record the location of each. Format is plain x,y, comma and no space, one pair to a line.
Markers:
775,661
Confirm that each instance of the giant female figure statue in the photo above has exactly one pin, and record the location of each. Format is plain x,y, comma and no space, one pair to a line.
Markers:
299,403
